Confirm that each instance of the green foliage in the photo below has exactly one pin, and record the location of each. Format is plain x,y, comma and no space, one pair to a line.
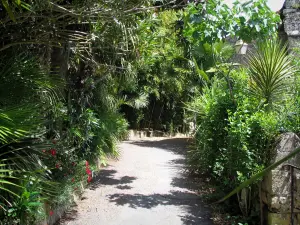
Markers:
213,21
236,125
210,137
21,142
233,138
12,6
290,110
60,88
164,74
170,70
287,112
212,56
66,74
271,72
260,174
28,208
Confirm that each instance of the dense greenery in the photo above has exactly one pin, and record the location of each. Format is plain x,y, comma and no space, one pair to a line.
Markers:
165,73
76,74
241,114
63,67
215,21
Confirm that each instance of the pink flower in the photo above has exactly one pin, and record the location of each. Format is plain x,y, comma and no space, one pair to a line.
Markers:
88,171
86,163
53,152
51,213
44,150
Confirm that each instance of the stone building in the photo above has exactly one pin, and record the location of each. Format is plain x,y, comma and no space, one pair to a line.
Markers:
291,22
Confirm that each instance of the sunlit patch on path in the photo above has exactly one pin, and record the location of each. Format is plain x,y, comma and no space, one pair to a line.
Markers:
146,186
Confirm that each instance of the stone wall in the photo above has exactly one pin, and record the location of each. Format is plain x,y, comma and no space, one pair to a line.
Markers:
291,13
140,134
276,186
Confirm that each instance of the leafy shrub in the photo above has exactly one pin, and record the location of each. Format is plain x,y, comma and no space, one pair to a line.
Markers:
214,21
38,125
233,135
290,111
211,135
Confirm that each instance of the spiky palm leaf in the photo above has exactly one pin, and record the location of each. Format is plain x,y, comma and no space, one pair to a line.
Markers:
270,71
139,102
26,89
18,164
8,129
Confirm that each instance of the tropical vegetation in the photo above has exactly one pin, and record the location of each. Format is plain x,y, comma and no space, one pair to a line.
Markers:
75,75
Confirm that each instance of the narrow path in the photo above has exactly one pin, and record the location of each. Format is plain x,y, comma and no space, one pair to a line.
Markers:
147,186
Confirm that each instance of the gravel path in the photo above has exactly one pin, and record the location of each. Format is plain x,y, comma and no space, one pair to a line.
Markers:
146,186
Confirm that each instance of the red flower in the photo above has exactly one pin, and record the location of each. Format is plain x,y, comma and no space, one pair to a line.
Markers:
88,171
57,166
73,179
75,188
51,213
86,163
89,179
53,152
54,141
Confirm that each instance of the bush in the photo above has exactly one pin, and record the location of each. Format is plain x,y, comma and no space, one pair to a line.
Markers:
234,135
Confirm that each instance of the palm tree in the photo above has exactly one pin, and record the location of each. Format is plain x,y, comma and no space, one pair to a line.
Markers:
271,70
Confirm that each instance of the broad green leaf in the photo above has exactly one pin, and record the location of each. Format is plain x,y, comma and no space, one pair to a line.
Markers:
211,70
34,203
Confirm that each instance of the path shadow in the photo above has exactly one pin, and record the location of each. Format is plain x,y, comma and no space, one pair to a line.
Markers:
195,213
185,185
106,177
123,187
175,145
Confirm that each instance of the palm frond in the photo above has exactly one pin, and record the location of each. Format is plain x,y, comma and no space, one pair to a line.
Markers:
18,163
141,101
271,70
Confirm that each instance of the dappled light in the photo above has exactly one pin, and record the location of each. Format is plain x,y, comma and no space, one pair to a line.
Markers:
149,112
173,192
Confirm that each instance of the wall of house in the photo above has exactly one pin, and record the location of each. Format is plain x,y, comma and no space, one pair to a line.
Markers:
291,22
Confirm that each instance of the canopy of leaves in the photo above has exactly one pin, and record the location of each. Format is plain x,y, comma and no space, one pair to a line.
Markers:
213,21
